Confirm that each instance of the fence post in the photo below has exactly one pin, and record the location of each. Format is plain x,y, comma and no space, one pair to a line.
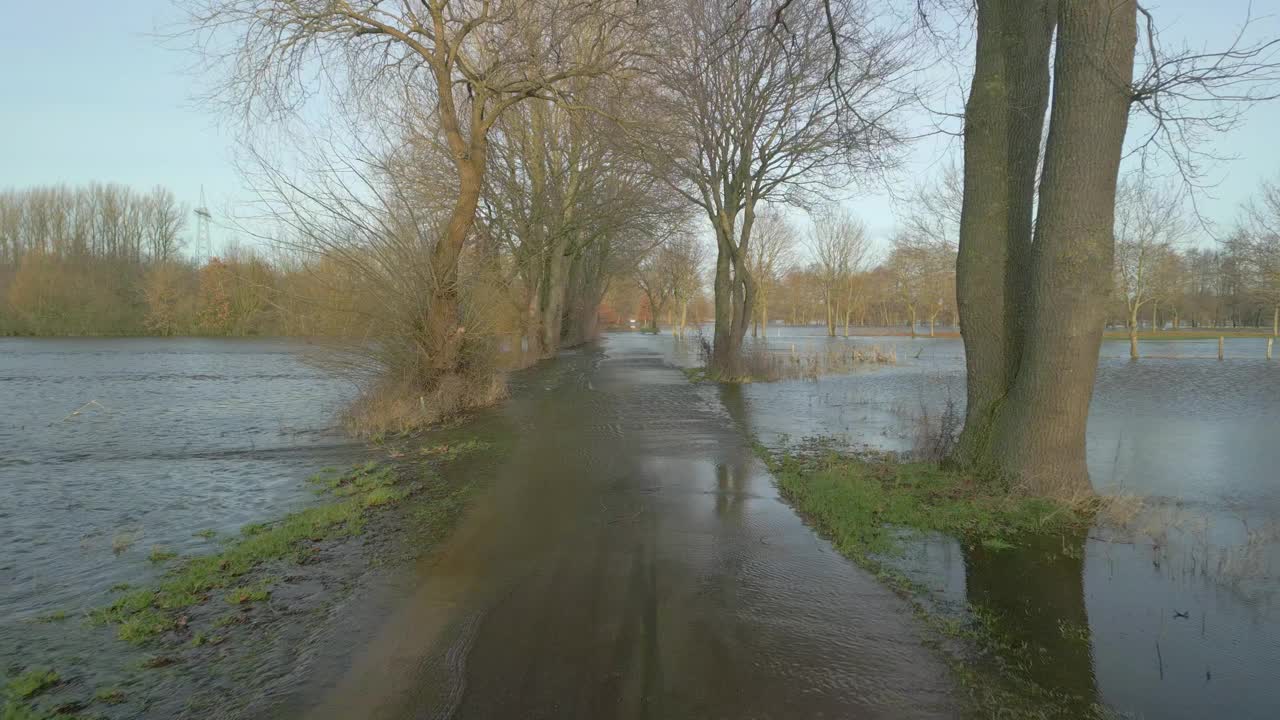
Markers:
1220,342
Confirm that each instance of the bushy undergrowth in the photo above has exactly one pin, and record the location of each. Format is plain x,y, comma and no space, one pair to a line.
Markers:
402,405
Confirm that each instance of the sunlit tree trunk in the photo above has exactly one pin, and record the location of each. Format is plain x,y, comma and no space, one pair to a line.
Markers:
444,330
1133,331
1039,432
1004,118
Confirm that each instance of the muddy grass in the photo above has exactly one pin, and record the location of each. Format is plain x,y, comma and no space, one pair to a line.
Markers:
216,629
869,505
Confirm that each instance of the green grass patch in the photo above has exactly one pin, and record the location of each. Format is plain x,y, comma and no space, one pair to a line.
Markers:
31,683
53,617
109,696
862,503
160,554
249,594
145,613
451,451
696,374
861,500
14,710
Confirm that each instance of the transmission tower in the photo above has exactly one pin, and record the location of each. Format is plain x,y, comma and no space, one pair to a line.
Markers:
204,245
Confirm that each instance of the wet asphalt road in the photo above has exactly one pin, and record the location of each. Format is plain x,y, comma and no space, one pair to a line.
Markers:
632,559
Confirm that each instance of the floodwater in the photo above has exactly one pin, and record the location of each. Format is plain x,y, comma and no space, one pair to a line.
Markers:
1179,617
111,448
631,558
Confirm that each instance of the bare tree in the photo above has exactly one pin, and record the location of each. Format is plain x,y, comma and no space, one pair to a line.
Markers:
839,245
448,69
165,219
653,277
683,258
1149,226
1263,225
752,116
771,256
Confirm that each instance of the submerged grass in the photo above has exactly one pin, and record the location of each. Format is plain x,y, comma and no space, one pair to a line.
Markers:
31,683
145,613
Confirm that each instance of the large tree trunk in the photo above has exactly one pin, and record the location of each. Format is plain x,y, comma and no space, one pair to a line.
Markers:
735,291
552,297
1039,432
723,354
445,332
912,309
1004,119
764,316
1275,321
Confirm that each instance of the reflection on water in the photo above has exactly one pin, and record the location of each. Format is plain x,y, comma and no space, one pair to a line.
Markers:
1177,618
1037,595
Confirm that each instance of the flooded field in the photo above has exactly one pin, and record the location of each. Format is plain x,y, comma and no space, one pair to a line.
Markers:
1177,618
116,454
112,448
631,557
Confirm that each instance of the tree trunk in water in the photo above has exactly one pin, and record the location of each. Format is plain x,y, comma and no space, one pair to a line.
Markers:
1133,333
443,324
723,353
1004,120
735,292
764,317
932,323
551,300
1039,431
1155,315
912,309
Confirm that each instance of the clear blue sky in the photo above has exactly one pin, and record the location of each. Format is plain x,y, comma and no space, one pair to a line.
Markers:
102,99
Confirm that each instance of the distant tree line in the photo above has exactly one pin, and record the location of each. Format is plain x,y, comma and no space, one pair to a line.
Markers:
104,259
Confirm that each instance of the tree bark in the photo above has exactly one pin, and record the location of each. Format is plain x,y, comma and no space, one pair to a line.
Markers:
443,324
1133,332
1039,431
1004,120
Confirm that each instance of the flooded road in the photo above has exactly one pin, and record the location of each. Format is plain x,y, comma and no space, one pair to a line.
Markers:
632,559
